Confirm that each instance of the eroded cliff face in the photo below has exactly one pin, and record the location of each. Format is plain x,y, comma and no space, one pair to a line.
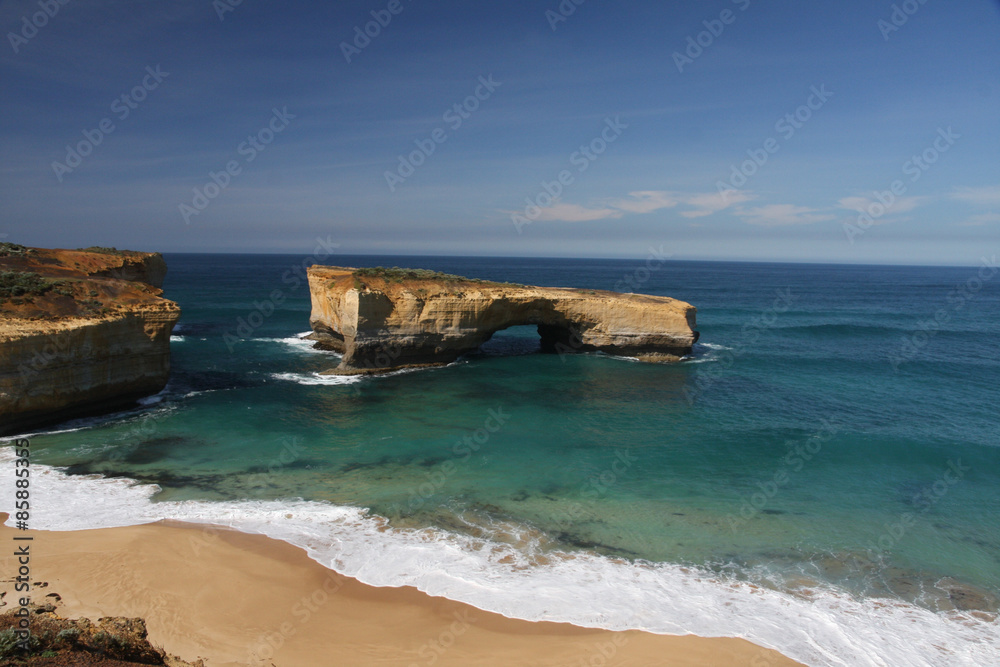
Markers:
86,333
382,324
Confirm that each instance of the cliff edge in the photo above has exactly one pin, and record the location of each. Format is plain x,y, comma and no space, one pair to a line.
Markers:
81,332
386,319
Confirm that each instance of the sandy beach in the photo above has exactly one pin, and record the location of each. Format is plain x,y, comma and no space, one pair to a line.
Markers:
236,599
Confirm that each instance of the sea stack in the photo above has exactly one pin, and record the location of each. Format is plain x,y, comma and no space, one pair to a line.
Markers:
82,332
388,319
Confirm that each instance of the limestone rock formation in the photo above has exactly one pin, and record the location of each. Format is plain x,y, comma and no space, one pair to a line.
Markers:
81,332
386,319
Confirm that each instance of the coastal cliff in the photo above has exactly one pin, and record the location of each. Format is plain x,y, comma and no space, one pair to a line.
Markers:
386,319
81,332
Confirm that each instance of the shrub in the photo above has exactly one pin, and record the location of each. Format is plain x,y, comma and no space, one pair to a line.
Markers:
105,250
9,646
106,641
22,283
398,275
8,643
68,635
91,304
9,249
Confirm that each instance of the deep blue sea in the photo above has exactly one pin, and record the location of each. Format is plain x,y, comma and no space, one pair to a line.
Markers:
821,476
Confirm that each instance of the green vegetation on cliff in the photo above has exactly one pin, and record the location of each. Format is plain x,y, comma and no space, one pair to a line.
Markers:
107,251
13,250
398,275
14,284
21,287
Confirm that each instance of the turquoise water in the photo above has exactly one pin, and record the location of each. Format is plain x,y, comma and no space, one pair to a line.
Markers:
822,443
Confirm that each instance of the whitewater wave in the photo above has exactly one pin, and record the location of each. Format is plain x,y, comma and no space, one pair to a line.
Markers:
156,398
618,357
831,628
299,343
711,346
691,359
316,378
705,352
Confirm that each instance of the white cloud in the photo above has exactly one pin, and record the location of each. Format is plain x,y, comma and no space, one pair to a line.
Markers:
704,203
712,202
986,196
576,213
864,204
780,215
858,204
981,220
645,201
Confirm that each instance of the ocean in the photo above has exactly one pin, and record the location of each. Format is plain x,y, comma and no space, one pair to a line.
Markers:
820,476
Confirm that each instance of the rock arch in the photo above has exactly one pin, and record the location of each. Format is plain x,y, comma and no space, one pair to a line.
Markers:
383,321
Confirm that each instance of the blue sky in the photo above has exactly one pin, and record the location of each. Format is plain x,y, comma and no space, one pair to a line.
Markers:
660,141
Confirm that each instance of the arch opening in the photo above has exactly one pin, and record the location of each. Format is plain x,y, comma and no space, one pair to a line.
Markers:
522,339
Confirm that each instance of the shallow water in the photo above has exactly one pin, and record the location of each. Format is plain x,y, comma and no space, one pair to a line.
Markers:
820,460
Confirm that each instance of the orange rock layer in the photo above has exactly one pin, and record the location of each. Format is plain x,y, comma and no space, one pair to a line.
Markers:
96,339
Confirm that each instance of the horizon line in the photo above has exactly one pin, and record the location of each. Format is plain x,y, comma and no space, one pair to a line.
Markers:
552,257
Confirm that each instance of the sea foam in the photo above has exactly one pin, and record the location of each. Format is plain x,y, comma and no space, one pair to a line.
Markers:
316,378
831,628
299,343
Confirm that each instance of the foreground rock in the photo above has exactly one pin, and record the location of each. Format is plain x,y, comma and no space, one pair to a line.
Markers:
81,332
52,640
386,319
